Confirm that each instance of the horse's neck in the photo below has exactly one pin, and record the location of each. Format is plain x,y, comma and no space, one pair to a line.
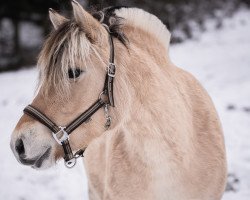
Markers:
139,71
147,44
127,153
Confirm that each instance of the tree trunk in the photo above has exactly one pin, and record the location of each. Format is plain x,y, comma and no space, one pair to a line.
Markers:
16,39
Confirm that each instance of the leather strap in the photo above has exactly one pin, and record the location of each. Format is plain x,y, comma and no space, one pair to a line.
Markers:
84,116
108,86
39,116
111,69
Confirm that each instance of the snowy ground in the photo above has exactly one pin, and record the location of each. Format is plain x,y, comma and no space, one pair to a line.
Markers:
220,60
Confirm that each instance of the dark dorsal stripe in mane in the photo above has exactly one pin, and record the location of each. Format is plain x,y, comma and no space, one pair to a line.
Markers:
107,16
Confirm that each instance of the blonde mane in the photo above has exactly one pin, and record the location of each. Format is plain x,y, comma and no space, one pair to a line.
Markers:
148,22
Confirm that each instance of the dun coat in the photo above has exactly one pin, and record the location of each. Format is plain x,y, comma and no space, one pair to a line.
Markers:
165,141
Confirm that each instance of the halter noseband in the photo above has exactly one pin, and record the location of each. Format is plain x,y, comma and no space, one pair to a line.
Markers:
61,134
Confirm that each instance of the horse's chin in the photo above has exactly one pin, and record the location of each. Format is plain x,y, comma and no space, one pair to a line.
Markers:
40,162
43,164
44,161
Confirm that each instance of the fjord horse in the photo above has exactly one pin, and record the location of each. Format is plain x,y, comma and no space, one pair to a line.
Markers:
165,140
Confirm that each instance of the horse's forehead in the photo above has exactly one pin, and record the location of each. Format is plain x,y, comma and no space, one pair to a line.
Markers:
67,39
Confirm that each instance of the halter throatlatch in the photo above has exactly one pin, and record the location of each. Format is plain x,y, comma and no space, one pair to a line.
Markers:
60,133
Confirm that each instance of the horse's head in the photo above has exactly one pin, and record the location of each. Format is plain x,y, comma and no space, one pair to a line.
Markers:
72,67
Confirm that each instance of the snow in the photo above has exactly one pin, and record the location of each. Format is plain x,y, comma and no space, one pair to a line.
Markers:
20,182
220,59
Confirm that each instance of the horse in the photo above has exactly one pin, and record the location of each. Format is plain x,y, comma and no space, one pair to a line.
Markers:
153,132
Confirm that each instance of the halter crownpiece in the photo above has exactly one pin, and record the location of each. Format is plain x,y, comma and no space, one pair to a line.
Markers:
61,134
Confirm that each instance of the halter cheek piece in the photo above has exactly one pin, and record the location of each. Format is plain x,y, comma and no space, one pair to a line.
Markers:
60,133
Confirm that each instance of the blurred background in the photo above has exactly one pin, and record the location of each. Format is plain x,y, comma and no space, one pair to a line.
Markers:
24,23
210,39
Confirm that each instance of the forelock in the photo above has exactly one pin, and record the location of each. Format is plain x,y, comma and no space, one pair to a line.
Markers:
65,48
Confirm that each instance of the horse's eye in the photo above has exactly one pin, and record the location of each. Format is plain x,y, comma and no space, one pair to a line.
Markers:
74,73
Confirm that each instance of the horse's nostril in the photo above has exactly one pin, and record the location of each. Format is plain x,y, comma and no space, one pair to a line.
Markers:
20,147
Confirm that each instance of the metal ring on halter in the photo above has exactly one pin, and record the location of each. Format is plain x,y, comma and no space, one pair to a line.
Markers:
103,96
70,163
64,137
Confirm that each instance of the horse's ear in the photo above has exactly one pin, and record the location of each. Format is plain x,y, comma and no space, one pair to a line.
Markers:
89,24
56,18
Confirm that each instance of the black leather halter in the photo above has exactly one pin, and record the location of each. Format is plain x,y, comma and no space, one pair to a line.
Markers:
61,134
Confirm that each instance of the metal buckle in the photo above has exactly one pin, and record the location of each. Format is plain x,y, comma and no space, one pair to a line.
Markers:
64,137
111,70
